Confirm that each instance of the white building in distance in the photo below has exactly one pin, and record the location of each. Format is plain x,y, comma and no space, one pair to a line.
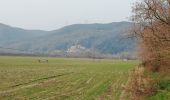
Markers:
78,51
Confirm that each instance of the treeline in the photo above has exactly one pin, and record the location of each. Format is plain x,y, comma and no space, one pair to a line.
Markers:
151,79
152,29
94,55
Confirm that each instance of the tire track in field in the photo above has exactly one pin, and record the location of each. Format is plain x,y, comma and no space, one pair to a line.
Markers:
123,94
112,92
32,83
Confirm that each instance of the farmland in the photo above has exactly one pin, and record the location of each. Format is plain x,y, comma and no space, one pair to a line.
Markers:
62,78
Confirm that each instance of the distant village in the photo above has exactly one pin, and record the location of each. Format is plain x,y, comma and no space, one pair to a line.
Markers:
76,50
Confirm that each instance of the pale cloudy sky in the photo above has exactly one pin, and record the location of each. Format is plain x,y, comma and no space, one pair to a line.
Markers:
53,14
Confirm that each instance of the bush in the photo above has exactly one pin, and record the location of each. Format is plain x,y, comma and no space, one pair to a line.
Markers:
141,84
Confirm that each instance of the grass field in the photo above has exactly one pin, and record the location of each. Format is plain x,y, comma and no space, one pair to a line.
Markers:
23,78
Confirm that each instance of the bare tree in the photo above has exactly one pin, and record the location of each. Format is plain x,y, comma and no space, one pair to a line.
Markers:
152,28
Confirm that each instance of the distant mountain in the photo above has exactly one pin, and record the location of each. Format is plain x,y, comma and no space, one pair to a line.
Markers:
10,35
105,38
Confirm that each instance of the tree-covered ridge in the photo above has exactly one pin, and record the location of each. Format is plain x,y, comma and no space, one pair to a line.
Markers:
106,38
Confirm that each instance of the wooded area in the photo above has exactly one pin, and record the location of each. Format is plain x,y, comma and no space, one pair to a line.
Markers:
152,28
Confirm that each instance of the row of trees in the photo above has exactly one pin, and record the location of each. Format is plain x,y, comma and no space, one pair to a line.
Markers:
152,28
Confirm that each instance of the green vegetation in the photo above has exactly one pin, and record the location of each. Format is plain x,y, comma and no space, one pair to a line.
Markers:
163,90
61,78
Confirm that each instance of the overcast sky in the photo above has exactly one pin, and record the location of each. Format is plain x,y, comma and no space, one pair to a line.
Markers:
53,14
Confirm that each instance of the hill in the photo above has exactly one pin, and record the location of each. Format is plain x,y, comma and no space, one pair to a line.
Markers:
10,35
105,38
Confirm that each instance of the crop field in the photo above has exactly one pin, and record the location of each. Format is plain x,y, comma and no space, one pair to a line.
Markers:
24,78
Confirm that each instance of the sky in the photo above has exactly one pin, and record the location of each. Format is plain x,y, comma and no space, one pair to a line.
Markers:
54,14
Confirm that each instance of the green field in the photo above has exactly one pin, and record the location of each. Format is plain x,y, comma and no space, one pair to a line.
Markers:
24,78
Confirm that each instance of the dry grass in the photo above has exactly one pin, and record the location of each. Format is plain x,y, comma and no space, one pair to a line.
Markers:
141,85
